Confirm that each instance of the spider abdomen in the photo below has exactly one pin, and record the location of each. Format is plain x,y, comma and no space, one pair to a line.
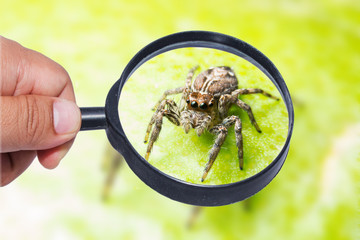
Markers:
216,81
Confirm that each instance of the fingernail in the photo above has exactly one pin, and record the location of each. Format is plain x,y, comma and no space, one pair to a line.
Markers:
66,116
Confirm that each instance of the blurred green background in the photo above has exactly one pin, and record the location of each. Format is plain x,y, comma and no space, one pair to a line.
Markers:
315,45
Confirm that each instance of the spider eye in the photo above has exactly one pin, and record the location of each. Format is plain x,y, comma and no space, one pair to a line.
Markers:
194,104
187,101
203,106
210,104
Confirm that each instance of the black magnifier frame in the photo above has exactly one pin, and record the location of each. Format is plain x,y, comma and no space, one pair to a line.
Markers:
195,194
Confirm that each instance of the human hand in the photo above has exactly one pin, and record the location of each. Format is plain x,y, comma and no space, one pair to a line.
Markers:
38,113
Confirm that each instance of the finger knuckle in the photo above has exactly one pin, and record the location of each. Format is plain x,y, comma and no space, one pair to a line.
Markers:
34,124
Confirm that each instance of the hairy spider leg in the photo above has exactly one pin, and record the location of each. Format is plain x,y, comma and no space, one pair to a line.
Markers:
248,110
171,113
224,104
227,99
244,91
190,76
221,131
195,211
186,90
186,120
116,161
202,125
245,106
202,122
167,93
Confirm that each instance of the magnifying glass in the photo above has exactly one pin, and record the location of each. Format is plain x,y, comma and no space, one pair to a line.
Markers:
201,105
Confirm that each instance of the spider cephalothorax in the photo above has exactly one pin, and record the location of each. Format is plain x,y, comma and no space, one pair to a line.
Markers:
200,101
204,105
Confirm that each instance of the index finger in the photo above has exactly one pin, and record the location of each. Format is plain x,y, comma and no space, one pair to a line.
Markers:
25,71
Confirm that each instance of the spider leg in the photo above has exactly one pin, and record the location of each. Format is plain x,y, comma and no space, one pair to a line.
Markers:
152,120
202,125
221,131
244,91
239,142
173,110
189,76
227,122
187,90
224,103
167,93
247,108
195,211
186,120
171,113
115,160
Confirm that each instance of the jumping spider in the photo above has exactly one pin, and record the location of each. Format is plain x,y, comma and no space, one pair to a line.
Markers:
204,105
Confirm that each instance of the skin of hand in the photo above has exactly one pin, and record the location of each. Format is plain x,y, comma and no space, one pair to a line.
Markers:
38,114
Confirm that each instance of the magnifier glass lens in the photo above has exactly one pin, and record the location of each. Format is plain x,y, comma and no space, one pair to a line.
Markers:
208,109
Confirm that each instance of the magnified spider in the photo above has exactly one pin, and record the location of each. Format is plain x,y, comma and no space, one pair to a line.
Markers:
204,105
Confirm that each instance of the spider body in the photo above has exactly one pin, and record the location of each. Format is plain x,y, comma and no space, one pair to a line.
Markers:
204,105
215,81
208,86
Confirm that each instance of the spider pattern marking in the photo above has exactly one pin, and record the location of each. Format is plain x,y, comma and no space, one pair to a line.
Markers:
204,104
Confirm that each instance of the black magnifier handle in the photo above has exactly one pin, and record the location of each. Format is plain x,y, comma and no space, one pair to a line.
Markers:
93,118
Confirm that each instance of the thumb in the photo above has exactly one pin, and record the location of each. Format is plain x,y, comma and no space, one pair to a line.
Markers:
32,122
